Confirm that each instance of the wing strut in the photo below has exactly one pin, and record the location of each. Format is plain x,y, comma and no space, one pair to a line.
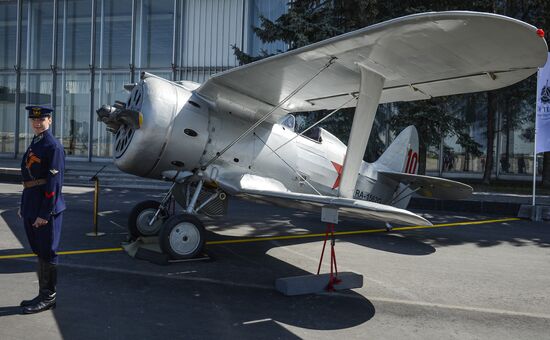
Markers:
398,198
369,96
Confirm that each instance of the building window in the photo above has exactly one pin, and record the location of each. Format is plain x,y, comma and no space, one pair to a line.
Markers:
74,29
114,32
155,32
38,33
7,113
8,32
108,89
73,102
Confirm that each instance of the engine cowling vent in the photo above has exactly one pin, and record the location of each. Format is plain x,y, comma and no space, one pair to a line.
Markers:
190,132
123,137
135,99
124,134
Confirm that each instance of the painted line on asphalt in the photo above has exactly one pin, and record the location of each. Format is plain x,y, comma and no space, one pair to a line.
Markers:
71,252
286,237
357,232
257,321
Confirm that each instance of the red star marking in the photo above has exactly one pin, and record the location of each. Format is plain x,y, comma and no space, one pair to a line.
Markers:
338,168
49,194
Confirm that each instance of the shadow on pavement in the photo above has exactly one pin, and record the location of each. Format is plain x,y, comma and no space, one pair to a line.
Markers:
10,310
394,244
114,305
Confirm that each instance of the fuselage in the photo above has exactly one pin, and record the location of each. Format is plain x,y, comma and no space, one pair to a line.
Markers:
180,126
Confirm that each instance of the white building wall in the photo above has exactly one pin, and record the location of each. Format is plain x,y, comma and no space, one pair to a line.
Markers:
211,27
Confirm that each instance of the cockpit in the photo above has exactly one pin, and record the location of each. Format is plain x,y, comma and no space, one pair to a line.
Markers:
289,121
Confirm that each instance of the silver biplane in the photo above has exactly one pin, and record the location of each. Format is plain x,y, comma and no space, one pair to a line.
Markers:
234,135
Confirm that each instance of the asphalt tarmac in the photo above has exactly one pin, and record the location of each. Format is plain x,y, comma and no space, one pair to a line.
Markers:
469,277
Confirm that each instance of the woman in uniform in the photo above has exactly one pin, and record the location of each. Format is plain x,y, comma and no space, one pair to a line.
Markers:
42,204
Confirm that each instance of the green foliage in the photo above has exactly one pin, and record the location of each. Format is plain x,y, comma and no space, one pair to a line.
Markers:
432,120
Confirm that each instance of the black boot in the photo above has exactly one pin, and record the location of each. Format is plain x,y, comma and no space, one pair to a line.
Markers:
47,291
40,270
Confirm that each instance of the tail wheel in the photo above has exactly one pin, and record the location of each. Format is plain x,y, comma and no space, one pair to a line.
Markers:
182,236
141,215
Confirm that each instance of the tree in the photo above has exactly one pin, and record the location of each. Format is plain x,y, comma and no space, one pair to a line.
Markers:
518,100
433,120
491,112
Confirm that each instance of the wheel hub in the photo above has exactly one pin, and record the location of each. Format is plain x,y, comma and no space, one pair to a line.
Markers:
184,238
143,219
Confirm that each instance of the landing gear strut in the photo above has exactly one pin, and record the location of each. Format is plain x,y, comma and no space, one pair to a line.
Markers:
182,236
147,217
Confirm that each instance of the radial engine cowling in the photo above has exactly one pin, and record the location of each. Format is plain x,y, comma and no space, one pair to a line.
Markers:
172,125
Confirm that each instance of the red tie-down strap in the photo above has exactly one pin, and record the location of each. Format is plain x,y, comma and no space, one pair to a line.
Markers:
49,194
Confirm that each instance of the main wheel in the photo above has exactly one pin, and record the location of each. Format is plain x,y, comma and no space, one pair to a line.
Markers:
141,214
182,236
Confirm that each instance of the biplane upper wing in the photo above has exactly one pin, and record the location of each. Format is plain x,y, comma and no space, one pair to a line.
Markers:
274,192
419,56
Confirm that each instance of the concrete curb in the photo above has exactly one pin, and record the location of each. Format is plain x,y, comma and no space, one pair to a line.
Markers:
490,207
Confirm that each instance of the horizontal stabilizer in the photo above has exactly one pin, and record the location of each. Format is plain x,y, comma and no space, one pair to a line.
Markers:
433,187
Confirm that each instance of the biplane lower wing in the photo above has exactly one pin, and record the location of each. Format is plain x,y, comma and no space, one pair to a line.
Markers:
272,191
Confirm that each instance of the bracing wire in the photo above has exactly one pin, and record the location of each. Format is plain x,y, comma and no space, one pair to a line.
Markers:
268,114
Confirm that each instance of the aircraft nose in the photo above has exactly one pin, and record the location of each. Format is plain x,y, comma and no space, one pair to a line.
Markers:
143,125
123,119
143,122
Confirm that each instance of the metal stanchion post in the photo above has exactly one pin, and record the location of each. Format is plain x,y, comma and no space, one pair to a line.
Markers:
96,205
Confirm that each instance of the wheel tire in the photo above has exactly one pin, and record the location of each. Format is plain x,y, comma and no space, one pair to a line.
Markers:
140,216
182,236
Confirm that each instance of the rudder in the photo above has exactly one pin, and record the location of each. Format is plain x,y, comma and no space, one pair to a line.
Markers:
402,154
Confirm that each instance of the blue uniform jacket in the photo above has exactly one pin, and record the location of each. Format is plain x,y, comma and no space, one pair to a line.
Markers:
44,159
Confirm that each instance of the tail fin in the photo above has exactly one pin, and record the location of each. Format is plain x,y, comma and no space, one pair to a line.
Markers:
402,154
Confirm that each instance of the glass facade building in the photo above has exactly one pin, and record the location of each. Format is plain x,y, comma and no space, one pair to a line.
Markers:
77,54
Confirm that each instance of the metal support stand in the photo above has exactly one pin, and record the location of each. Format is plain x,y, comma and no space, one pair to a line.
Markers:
330,216
95,233
317,283
333,277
